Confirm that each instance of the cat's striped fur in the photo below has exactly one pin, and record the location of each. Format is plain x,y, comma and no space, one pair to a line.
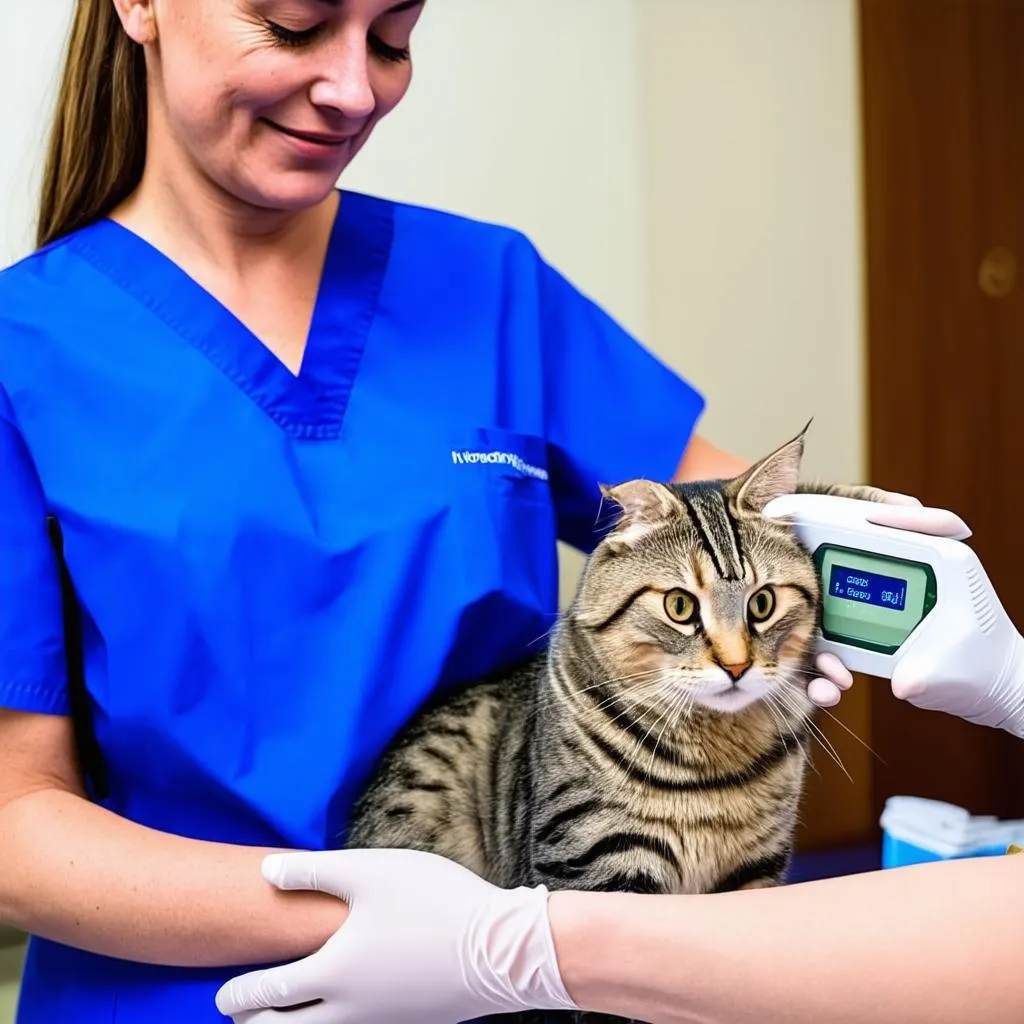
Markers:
626,757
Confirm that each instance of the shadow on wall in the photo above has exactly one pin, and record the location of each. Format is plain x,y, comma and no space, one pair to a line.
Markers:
11,958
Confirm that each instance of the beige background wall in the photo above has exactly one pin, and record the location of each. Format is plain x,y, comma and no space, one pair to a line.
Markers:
750,118
692,164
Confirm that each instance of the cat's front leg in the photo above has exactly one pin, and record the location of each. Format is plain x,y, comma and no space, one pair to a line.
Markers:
760,883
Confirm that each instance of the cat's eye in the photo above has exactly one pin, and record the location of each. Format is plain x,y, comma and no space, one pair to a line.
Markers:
681,606
762,604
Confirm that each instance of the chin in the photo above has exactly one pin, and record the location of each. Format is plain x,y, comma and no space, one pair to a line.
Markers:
730,698
731,701
289,190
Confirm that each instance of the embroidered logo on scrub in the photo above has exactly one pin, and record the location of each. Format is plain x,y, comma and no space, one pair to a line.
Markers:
504,458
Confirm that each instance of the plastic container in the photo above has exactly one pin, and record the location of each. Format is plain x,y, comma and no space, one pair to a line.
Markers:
916,830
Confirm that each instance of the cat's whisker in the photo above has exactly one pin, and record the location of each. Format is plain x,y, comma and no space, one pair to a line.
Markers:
575,693
789,700
871,750
626,711
670,719
788,677
779,711
544,636
842,725
621,679
633,695
638,744
779,719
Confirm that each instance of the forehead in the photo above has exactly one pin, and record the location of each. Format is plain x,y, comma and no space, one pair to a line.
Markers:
361,8
715,533
712,547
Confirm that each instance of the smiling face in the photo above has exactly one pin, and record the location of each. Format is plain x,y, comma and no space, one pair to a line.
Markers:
696,599
269,99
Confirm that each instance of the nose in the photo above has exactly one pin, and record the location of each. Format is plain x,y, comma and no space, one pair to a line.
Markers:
345,84
736,670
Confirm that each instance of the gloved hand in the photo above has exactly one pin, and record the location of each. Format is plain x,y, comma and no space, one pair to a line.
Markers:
425,942
987,691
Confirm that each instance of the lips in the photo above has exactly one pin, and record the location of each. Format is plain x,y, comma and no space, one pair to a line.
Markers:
317,138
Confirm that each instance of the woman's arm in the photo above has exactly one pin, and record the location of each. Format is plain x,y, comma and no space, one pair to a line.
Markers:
703,461
919,945
76,873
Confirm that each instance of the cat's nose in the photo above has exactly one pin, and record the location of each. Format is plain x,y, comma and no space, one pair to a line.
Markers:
736,670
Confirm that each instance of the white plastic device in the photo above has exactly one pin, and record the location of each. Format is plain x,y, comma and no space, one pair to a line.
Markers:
891,594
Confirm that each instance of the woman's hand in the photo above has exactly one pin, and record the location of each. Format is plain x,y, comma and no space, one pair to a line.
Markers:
426,942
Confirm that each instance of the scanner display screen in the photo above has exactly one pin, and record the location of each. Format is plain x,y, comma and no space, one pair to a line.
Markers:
872,601
868,587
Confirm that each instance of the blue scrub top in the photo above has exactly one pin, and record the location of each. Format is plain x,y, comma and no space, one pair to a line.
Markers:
274,571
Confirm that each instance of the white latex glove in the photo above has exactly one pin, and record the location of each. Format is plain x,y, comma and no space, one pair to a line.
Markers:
987,691
425,942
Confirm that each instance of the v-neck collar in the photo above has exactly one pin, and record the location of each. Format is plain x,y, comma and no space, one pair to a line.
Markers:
312,403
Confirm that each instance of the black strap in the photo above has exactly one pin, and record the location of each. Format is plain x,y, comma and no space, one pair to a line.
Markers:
89,756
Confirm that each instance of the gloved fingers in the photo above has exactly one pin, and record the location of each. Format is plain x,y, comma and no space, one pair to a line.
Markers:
318,1013
907,680
938,522
344,873
287,985
895,498
306,870
834,670
824,693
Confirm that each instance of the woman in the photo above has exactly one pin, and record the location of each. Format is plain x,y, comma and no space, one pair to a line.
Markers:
431,943
299,450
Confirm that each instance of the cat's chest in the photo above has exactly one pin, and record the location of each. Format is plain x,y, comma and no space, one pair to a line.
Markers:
715,831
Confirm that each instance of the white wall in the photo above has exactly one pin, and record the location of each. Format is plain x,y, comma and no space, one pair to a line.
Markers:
751,133
31,42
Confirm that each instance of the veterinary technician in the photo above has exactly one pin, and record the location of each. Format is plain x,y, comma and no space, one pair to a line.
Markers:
300,456
930,944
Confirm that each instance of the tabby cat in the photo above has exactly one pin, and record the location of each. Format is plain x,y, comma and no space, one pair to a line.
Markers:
660,743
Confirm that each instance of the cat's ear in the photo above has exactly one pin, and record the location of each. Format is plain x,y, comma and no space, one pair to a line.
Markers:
775,475
644,505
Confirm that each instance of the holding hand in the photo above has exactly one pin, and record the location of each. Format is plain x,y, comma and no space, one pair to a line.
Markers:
959,672
426,942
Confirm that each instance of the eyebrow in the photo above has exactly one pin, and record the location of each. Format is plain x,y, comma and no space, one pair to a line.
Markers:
405,5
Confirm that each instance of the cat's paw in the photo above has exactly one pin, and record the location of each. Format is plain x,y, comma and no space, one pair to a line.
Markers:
859,492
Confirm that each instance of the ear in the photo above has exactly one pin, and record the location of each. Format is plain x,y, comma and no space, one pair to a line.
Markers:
644,504
773,476
138,19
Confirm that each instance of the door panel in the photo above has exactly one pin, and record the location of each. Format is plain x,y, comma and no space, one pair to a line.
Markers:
942,87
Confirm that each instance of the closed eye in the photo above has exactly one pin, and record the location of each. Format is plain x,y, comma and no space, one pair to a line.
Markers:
283,36
396,54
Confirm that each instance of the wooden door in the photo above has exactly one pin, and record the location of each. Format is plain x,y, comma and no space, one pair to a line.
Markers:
943,121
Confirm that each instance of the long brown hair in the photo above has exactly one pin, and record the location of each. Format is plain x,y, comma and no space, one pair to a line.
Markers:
97,146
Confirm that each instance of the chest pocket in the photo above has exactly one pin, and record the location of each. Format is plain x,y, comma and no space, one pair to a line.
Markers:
504,517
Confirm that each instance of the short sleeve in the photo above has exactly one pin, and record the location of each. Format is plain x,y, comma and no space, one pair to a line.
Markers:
33,674
613,411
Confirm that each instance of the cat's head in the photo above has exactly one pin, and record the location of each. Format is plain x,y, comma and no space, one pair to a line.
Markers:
694,596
